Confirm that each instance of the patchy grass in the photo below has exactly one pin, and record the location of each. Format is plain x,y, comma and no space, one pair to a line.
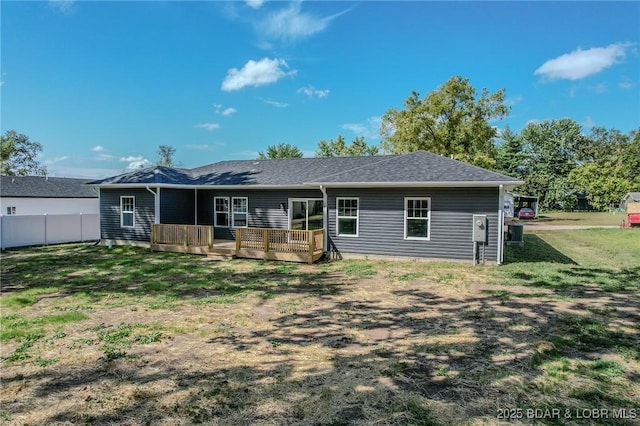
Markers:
580,218
91,335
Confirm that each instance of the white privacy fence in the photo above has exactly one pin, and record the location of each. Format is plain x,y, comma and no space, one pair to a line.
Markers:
16,231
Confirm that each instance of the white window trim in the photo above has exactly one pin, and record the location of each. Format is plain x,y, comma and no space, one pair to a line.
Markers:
122,211
215,212
356,217
233,214
290,209
428,218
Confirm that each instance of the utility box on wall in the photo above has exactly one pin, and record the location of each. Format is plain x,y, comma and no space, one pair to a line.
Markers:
480,228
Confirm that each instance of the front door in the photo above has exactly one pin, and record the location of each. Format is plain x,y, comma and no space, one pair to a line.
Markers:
305,214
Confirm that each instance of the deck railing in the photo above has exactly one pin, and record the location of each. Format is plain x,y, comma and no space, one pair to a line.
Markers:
182,235
310,243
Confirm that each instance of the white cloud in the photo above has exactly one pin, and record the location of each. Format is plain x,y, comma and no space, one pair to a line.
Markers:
55,160
600,88
131,158
105,157
311,91
254,4
203,147
626,83
226,112
276,103
63,6
369,129
209,126
588,122
256,73
582,63
292,23
82,172
137,165
135,162
97,148
512,100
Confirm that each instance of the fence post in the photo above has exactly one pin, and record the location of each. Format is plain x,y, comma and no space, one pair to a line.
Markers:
211,237
265,240
186,235
312,245
238,238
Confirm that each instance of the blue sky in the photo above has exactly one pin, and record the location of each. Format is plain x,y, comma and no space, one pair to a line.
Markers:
102,84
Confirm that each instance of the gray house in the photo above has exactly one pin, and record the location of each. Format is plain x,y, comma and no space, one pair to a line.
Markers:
415,205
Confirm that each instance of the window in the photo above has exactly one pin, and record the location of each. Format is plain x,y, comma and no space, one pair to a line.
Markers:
11,210
417,215
221,211
347,222
127,212
240,212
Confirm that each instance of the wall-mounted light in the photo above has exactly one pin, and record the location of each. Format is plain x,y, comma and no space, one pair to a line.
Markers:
283,207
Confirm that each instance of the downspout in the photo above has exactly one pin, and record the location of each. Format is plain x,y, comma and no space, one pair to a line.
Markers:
156,204
500,253
195,207
325,217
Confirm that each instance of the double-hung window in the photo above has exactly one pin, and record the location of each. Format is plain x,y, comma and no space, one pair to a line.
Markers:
127,212
347,216
11,210
240,212
221,211
417,218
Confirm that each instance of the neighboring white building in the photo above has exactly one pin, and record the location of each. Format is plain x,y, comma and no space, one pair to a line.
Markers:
38,195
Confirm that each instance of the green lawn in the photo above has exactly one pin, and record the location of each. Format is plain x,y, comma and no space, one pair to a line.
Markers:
95,336
580,218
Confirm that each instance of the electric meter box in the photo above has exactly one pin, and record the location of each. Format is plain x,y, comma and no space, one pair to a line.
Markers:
480,228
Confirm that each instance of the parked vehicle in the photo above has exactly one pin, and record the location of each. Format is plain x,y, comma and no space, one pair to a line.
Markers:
526,213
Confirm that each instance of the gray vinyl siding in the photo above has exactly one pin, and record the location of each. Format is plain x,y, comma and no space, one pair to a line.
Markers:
144,214
177,206
264,207
381,227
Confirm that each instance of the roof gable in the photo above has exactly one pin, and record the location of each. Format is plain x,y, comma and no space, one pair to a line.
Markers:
45,187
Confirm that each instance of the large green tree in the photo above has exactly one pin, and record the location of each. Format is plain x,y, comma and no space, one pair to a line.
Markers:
165,155
511,156
607,167
552,147
339,148
452,120
282,150
18,155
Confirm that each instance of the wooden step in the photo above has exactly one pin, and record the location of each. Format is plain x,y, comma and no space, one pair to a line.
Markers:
221,253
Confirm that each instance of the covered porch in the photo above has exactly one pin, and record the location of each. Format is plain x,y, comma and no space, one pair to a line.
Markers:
253,243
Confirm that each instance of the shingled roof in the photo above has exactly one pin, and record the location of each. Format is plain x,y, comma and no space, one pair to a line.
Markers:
45,187
418,167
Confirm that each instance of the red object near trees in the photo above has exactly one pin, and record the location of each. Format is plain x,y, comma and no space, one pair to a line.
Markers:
633,219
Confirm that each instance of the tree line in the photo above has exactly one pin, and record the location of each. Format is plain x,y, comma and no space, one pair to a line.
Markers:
556,159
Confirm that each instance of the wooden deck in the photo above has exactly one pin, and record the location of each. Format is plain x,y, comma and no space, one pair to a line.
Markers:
253,243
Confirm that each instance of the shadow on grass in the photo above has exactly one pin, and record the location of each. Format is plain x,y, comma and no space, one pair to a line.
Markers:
401,356
535,249
96,273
